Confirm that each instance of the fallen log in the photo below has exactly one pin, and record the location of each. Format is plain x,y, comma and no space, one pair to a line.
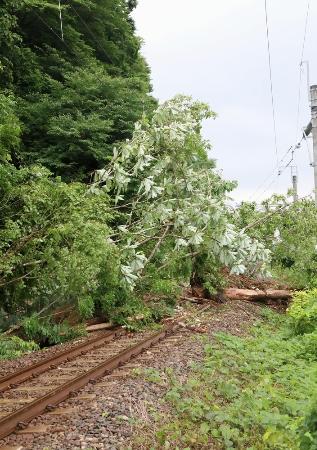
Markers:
99,326
257,294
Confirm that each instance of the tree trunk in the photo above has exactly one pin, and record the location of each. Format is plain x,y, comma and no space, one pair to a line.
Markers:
257,294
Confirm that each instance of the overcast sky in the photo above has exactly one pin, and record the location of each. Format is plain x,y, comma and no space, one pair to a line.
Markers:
216,52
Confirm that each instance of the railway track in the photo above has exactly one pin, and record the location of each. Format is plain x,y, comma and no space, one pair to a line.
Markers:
35,389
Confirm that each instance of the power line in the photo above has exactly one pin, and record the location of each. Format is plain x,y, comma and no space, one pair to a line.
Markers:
281,169
292,148
305,30
301,67
272,174
90,32
65,43
61,19
271,81
267,188
50,28
262,184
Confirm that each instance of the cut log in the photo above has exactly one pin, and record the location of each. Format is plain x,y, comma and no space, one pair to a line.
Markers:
99,326
257,294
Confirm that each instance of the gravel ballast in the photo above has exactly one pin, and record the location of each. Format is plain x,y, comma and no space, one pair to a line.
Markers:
102,415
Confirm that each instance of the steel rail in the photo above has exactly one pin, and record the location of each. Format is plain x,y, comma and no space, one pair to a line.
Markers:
31,371
23,415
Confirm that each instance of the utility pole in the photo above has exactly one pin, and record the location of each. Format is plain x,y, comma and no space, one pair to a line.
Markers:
295,183
313,97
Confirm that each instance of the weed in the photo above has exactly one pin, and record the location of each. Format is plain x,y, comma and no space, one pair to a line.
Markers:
149,374
257,392
13,347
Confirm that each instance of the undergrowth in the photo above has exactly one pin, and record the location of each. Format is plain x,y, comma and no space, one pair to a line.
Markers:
13,347
256,393
47,333
136,315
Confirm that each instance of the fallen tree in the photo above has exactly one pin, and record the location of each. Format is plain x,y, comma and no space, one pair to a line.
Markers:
257,294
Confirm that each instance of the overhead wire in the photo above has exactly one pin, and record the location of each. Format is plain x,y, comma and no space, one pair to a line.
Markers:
292,148
51,29
272,174
61,19
266,189
271,79
90,32
64,41
272,102
301,67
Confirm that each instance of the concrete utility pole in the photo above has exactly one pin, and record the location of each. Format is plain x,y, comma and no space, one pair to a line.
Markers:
313,97
295,183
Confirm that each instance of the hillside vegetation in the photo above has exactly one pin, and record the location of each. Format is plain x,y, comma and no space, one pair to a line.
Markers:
109,201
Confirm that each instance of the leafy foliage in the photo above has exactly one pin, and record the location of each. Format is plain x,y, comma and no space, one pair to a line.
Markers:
47,333
308,437
54,243
10,128
13,347
303,311
72,130
173,198
256,392
289,231
78,93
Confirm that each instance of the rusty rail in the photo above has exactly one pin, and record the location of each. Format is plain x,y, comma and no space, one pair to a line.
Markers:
21,416
33,370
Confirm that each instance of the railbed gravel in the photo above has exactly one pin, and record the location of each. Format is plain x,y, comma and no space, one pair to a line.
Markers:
104,419
11,365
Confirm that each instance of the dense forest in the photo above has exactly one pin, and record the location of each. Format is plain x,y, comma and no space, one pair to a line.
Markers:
75,93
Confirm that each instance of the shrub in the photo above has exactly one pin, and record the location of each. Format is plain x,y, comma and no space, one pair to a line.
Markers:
44,332
309,342
303,311
13,347
289,230
54,243
308,438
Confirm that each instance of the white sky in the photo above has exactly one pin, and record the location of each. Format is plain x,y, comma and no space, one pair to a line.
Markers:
216,52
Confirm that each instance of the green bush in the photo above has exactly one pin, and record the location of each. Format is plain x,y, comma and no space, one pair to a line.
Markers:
309,342
134,314
308,437
46,333
294,256
13,347
54,244
303,311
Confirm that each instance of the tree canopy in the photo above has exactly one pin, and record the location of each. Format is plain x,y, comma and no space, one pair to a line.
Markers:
79,90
